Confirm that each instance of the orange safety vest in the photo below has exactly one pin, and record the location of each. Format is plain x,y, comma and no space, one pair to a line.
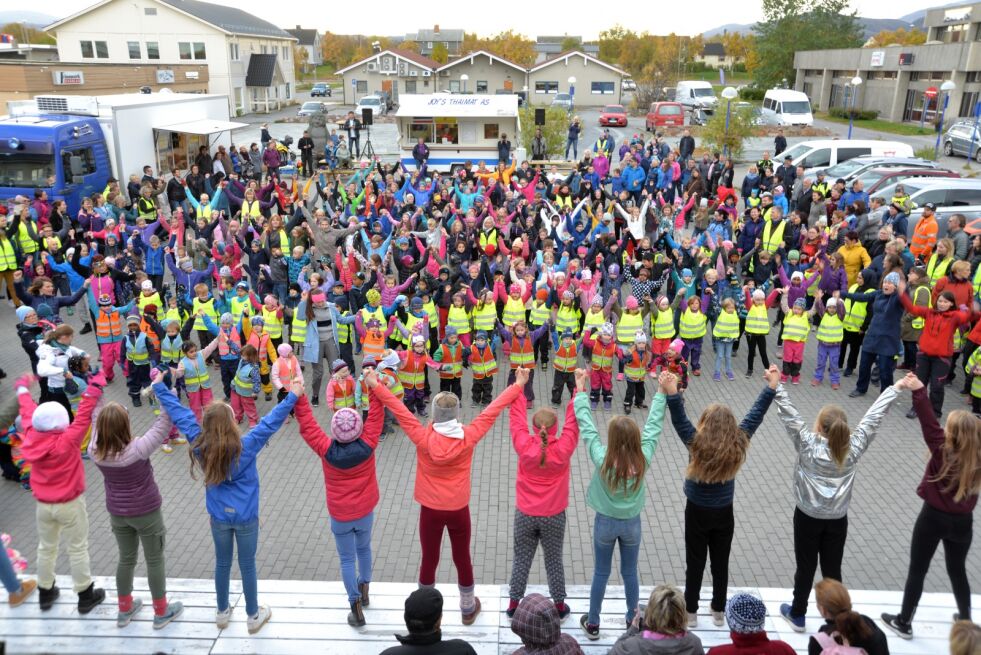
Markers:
397,389
373,346
635,367
286,370
602,359
412,374
223,340
566,359
108,325
261,343
150,333
453,356
483,363
522,353
345,397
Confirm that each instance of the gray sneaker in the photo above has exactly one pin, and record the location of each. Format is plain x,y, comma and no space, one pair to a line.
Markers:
123,618
259,619
222,618
174,610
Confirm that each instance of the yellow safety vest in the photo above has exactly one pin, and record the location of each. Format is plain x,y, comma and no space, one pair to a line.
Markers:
242,380
540,313
757,320
594,320
918,321
627,328
972,361
459,319
28,246
240,306
773,239
173,314
977,281
514,311
273,323
485,318
410,322
152,299
8,260
726,326
170,348
209,309
137,352
367,313
692,325
937,268
795,328
855,312
567,318
662,325
196,373
342,331
253,209
830,330
298,327
430,309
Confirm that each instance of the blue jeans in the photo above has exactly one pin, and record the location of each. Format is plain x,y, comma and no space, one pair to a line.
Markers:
354,543
246,535
606,532
887,365
7,575
574,144
723,357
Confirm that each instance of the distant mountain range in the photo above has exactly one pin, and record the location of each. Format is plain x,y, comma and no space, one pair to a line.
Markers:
31,18
871,26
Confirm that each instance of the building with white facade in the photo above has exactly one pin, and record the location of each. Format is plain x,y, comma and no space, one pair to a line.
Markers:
249,60
309,40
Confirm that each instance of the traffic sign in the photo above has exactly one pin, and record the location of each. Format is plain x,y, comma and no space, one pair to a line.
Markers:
931,92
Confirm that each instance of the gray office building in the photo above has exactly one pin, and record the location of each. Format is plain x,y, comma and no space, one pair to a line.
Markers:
895,78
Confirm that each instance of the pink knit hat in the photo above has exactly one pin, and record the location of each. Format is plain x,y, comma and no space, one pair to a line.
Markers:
284,350
346,425
677,346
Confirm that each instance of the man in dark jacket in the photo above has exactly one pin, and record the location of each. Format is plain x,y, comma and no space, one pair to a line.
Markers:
423,614
539,148
504,149
686,147
305,145
779,143
787,173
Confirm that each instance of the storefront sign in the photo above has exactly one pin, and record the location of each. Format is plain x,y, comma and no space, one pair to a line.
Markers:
191,75
68,78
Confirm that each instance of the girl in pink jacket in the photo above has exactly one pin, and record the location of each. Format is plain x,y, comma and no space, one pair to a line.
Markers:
542,495
444,458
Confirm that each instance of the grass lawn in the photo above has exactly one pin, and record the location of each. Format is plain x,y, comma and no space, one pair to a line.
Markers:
904,129
734,79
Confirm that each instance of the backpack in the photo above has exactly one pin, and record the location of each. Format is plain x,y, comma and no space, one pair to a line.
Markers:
831,647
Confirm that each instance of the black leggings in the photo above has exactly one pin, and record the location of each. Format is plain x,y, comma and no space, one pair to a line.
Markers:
933,371
816,540
851,343
708,533
955,530
756,342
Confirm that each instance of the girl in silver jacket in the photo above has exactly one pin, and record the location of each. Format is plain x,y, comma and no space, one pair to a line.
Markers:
827,458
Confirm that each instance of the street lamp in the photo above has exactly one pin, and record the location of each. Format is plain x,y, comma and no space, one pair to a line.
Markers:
729,94
856,82
464,78
946,89
572,90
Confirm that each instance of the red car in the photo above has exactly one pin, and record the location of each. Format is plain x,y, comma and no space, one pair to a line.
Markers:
613,115
664,114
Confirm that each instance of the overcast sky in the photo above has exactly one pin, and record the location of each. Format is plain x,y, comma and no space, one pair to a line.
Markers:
390,17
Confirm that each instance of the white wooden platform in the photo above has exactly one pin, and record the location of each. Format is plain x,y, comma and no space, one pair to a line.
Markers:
310,616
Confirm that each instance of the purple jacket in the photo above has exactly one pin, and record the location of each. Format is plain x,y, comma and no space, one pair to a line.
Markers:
130,487
833,280
270,157
796,292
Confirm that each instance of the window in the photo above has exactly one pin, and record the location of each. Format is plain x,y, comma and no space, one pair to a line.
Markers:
914,76
264,49
286,53
890,75
149,11
973,76
844,154
820,157
87,52
101,50
233,51
421,130
481,86
410,86
454,86
134,49
95,49
429,44
602,88
492,131
288,91
152,50
547,87
968,101
184,50
199,52
362,86
85,155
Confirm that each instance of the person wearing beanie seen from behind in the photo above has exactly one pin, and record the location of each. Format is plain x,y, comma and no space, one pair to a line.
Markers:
423,617
539,625
444,460
51,446
881,343
285,371
746,616
348,460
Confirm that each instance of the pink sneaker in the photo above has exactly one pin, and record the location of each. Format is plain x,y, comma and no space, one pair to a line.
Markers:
795,379
783,378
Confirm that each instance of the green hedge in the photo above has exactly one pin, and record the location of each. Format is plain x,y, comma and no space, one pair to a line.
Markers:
857,114
752,93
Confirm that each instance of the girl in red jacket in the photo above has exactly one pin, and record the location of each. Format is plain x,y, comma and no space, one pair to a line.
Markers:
348,458
933,357
542,495
444,459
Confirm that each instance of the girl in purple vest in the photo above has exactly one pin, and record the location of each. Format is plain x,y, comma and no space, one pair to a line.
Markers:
133,502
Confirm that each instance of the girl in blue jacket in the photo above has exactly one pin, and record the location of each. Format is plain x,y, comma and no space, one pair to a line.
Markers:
227,460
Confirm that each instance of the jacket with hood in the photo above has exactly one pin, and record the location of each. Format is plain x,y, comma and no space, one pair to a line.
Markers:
882,335
542,489
236,500
443,463
634,642
57,474
349,468
536,622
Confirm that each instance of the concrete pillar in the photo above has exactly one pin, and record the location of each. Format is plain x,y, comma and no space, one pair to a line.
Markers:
899,97
824,92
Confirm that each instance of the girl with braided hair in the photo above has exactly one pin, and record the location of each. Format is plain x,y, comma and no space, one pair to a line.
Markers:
542,495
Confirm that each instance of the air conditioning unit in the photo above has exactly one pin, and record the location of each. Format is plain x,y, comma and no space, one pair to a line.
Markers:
372,67
414,73
84,105
403,70
427,73
444,73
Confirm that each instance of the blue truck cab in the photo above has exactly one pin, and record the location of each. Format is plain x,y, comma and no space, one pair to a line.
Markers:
64,155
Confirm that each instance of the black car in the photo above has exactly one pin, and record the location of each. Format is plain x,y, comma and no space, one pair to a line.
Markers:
320,89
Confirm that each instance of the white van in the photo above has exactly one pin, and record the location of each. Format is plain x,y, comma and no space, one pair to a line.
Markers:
696,94
786,107
824,153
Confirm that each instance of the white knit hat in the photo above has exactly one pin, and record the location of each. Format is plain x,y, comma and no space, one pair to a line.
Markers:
50,417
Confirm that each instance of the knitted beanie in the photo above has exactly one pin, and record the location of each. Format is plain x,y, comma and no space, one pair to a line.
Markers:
745,614
444,414
346,425
677,346
284,350
49,417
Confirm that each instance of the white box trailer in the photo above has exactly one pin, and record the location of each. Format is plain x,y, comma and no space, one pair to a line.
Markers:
457,128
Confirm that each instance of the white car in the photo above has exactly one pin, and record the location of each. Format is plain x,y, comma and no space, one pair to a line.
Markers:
629,85
373,103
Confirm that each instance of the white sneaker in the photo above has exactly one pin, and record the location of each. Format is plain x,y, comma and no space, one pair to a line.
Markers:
167,448
719,618
178,441
259,619
222,618
692,619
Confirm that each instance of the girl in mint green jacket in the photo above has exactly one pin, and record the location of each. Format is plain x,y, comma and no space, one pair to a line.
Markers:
617,493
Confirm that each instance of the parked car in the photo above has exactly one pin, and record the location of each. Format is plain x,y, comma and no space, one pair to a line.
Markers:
386,97
321,90
373,103
852,168
822,154
755,115
696,94
787,107
613,115
629,85
661,114
563,100
312,107
943,192
958,140
879,178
